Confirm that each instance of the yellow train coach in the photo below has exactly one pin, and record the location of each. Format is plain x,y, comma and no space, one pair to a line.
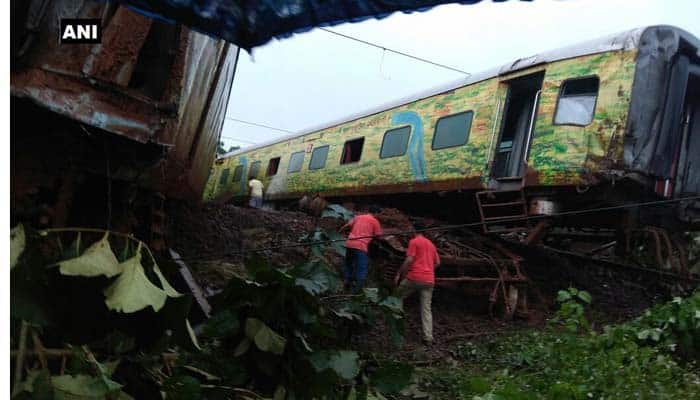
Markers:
620,109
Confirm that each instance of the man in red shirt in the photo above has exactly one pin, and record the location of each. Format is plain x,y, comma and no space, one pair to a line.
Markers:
419,271
362,228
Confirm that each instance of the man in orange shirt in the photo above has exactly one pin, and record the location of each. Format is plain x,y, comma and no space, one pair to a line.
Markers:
362,228
419,271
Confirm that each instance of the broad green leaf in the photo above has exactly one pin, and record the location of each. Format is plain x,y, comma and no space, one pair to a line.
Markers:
38,383
193,335
585,296
110,367
337,211
17,244
346,364
316,277
312,287
169,290
132,291
280,393
182,387
242,347
221,324
98,259
81,387
372,294
393,303
265,338
643,335
563,296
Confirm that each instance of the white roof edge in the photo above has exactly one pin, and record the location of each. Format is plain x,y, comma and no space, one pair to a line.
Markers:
619,41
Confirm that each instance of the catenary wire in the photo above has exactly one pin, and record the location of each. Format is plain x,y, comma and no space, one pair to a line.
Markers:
396,51
257,124
442,228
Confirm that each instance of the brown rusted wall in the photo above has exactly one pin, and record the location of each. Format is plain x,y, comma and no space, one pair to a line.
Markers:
89,83
95,85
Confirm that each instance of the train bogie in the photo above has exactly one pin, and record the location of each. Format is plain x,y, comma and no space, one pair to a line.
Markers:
553,125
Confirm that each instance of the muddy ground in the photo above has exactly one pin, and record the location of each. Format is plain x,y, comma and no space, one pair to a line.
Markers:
214,240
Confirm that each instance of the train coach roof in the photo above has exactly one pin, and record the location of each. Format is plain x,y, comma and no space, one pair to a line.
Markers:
620,41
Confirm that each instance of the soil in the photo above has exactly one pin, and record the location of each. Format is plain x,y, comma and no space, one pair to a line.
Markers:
214,240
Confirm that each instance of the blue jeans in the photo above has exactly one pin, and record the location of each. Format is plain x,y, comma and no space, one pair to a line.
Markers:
255,202
355,270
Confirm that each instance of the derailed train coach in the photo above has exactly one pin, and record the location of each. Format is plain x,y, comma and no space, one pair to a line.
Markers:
98,129
611,121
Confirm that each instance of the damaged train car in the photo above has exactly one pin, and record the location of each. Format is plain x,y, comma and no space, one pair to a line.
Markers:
587,118
612,121
98,129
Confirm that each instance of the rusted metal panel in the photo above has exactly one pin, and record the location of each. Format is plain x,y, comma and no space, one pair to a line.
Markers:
115,59
109,110
206,84
159,83
89,83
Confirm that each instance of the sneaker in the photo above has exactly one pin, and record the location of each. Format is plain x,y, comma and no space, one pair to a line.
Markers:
428,343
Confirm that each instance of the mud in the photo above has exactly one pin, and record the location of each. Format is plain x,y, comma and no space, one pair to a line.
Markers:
214,240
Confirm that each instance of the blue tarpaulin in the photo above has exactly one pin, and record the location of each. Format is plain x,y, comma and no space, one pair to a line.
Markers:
250,23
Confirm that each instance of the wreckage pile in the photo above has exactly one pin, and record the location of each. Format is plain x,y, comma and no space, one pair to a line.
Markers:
215,241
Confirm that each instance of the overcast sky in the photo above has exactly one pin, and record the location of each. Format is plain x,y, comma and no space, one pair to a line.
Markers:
316,77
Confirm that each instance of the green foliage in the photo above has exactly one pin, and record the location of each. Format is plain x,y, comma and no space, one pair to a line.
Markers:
335,241
391,376
569,361
280,332
288,328
87,379
674,326
66,294
570,313
337,211
97,259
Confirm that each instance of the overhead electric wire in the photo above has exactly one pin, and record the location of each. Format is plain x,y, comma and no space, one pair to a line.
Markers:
395,51
260,125
446,227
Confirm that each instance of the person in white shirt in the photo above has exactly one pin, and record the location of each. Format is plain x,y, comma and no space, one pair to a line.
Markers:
256,193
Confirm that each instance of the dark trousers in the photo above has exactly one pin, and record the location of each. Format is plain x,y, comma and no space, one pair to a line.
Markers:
355,270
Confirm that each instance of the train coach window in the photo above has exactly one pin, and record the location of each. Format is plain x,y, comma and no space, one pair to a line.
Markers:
254,170
395,142
273,166
352,151
452,130
577,99
237,173
224,176
318,157
295,161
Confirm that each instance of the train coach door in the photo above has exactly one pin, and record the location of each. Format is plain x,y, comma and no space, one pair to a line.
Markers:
688,170
517,125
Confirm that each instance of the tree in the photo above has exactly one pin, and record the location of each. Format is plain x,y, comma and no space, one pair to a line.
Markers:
220,150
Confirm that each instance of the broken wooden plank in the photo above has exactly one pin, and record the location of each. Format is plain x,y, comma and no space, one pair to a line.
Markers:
191,283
